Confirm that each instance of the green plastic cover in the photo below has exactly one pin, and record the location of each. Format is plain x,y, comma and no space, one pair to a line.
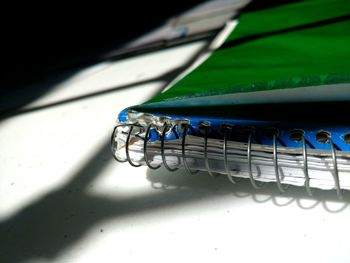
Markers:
293,52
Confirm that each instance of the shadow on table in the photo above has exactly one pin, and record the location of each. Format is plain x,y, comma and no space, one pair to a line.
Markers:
58,220
204,183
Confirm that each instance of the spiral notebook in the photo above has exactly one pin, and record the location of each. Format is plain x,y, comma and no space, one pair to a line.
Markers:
270,104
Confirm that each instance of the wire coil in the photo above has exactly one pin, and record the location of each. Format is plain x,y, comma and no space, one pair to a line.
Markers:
227,130
162,149
183,151
145,148
249,157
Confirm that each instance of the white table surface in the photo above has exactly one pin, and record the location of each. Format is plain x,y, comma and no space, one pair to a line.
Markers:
63,198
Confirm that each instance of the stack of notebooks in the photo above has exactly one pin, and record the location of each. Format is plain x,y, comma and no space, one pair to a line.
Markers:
270,104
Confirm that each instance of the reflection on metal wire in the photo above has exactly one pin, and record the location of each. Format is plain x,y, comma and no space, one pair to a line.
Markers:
275,165
127,148
335,169
112,143
145,148
183,144
295,135
206,159
227,131
162,150
249,157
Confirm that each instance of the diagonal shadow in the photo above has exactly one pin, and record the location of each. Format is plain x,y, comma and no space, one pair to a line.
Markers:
59,219
14,112
167,77
56,221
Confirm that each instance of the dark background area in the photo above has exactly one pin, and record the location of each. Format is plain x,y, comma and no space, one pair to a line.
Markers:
39,39
44,37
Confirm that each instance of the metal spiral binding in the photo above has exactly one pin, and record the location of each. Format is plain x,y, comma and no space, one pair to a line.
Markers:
206,127
275,164
306,168
299,136
132,125
184,150
249,157
162,149
295,135
325,137
145,148
335,167
127,148
227,130
112,144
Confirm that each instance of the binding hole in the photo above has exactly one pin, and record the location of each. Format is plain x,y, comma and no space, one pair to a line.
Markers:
270,133
296,135
347,138
181,125
247,131
225,129
204,127
323,136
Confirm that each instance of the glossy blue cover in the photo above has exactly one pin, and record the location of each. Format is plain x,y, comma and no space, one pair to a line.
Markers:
337,131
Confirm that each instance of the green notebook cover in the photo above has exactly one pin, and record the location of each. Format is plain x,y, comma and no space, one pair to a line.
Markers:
293,52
